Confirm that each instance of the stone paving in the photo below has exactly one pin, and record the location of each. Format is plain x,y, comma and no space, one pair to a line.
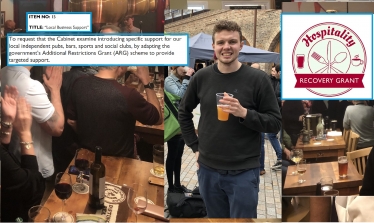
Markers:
269,204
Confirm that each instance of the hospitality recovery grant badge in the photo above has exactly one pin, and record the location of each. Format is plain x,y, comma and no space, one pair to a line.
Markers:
329,59
327,56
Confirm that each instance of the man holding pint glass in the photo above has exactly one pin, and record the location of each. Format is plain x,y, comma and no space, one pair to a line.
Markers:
236,107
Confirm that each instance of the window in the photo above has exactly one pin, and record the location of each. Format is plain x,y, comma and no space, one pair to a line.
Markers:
193,7
196,8
265,4
197,5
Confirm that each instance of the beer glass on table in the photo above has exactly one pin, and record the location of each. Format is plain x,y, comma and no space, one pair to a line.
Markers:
296,155
158,160
343,166
326,184
333,124
39,213
301,169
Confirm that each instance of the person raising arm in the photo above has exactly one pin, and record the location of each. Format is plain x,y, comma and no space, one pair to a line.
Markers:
23,185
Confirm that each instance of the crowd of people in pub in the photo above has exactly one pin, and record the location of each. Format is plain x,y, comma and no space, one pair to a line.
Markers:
356,116
83,107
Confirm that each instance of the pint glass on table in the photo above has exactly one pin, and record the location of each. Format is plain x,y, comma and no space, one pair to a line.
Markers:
158,160
343,166
333,125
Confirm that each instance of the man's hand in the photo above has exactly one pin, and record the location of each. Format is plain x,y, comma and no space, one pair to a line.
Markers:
235,107
143,74
189,71
301,118
53,78
197,157
287,152
73,124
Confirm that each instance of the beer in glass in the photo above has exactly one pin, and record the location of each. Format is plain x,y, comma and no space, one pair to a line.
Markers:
343,166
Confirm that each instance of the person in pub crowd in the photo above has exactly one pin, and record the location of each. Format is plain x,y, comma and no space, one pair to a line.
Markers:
99,100
176,83
48,114
22,184
360,119
228,152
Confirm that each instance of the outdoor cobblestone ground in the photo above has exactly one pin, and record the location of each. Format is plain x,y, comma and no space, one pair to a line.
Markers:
269,202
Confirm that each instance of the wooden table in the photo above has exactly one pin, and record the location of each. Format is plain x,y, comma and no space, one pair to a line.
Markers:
119,171
315,171
323,148
153,134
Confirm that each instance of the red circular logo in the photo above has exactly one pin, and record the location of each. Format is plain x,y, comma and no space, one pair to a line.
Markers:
329,59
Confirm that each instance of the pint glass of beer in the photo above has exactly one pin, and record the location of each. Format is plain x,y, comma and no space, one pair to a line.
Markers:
158,160
333,125
222,115
343,166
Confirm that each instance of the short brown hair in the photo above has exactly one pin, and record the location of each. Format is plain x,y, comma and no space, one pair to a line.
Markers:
227,25
128,16
114,28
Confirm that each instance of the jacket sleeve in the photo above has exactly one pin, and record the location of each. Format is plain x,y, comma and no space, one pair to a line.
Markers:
186,107
278,95
367,188
172,87
287,140
19,176
267,117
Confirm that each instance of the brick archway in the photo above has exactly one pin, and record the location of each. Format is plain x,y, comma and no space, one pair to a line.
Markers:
275,44
274,47
246,41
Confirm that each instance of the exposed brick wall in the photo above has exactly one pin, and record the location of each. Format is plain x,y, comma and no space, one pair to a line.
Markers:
267,33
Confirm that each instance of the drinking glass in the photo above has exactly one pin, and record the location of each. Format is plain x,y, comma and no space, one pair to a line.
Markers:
137,199
158,160
63,190
39,213
343,166
222,115
157,84
331,193
160,97
135,81
326,184
82,163
301,169
296,155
